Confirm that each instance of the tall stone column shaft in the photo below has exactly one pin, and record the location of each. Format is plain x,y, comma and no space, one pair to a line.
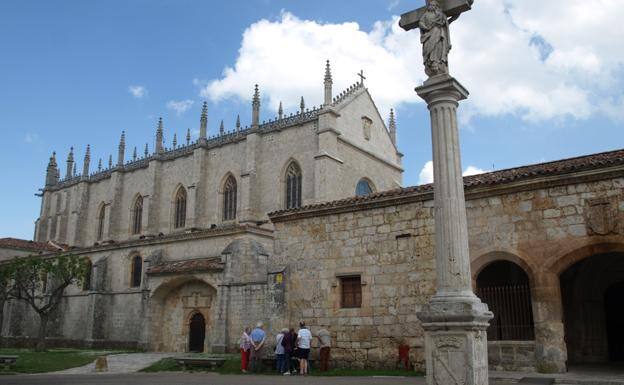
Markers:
454,320
451,235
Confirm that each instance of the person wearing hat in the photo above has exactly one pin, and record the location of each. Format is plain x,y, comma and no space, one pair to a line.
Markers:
258,337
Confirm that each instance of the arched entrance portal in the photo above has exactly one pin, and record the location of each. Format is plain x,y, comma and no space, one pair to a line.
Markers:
181,315
197,333
504,287
592,292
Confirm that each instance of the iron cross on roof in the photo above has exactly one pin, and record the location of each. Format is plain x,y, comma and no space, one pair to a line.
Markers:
452,9
362,77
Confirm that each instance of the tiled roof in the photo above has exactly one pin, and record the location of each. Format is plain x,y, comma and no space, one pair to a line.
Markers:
187,266
559,167
23,244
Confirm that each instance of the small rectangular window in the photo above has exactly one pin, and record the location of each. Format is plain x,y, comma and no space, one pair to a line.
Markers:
351,291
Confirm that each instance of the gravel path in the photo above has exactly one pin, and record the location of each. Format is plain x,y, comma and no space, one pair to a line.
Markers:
121,363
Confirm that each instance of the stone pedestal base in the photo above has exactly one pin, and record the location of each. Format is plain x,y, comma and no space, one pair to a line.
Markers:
456,341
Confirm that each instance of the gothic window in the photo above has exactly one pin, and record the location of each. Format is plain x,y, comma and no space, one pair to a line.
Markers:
363,188
137,271
137,215
180,208
86,283
351,291
293,186
100,222
229,199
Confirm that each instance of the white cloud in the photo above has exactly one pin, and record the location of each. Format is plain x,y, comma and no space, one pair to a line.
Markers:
31,137
472,170
426,173
137,92
529,58
180,106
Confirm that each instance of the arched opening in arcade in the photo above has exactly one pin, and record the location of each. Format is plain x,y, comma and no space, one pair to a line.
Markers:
504,287
592,292
197,333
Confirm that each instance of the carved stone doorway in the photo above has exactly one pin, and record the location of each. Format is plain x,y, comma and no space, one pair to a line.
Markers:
197,333
614,309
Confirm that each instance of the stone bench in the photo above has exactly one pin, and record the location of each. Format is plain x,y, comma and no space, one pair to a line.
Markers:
206,362
8,361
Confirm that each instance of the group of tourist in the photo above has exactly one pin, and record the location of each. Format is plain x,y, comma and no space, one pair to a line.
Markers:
288,345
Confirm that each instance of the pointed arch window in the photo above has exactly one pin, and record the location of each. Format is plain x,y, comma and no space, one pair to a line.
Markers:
293,186
363,188
180,208
137,215
100,222
229,199
137,271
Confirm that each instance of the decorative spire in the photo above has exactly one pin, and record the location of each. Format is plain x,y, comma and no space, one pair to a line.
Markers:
392,126
255,112
51,171
188,136
302,105
328,85
203,122
86,162
134,154
100,165
280,111
110,161
122,149
238,125
70,163
221,128
146,151
74,172
175,140
159,137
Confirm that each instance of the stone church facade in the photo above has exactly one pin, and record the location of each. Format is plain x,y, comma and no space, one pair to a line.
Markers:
303,217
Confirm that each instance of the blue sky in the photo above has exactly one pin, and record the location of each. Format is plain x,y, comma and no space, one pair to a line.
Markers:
541,88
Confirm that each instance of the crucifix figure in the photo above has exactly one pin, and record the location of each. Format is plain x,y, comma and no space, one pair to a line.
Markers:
362,77
433,21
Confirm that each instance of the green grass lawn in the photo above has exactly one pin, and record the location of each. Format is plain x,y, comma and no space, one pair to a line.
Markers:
232,366
29,361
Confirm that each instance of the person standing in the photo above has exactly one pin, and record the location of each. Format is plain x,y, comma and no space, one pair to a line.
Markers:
258,337
324,337
288,343
279,351
245,347
304,337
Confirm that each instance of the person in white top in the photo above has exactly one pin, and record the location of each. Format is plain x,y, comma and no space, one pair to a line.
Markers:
304,337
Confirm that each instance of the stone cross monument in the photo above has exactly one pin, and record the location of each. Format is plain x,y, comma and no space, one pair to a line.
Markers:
454,320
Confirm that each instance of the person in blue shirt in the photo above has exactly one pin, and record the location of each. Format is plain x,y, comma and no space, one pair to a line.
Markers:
258,337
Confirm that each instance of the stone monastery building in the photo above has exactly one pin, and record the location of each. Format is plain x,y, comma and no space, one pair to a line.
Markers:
303,217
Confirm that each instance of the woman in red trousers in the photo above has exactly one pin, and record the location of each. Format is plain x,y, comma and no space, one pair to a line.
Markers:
245,347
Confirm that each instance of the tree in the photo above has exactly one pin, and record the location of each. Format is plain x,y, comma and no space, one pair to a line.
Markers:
41,282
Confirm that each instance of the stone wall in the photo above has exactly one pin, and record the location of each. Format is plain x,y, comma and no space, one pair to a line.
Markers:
543,224
517,356
390,249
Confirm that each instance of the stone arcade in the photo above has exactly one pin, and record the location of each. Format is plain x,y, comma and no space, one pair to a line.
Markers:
303,217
